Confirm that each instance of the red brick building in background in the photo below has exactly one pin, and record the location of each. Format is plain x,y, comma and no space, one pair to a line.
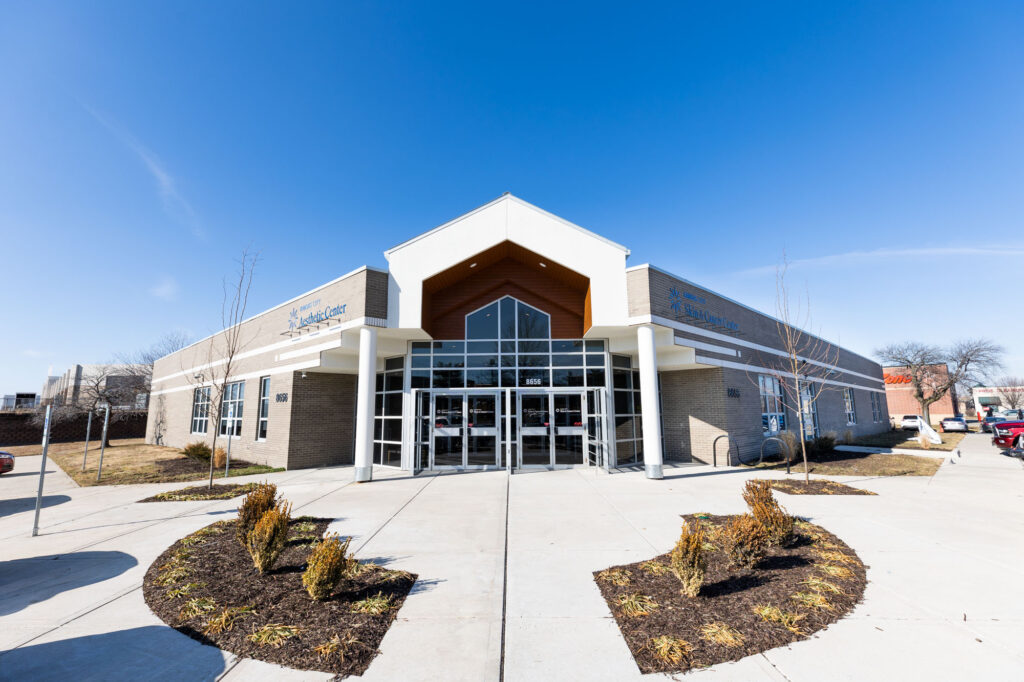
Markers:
899,394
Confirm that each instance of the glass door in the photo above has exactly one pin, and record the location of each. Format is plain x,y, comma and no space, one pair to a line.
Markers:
535,429
482,426
448,429
569,429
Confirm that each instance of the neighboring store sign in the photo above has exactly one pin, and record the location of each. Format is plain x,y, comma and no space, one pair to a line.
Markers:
895,379
313,313
678,301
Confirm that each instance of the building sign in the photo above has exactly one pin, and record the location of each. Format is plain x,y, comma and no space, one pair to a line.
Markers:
895,379
281,398
681,304
313,313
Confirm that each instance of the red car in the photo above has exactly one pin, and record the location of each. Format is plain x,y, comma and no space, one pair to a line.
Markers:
1008,434
6,462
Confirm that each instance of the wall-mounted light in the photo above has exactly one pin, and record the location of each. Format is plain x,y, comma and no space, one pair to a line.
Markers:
303,375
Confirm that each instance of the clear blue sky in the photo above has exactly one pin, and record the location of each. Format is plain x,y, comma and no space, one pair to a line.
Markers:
143,145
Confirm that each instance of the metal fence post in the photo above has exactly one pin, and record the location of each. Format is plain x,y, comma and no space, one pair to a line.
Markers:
42,470
103,444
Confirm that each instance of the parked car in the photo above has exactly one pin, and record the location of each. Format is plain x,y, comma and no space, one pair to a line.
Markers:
987,422
1008,434
911,422
6,462
954,424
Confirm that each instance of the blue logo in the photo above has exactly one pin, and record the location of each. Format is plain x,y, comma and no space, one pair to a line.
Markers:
676,302
298,318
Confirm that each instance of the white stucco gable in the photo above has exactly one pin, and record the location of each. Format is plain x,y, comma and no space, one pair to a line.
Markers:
508,218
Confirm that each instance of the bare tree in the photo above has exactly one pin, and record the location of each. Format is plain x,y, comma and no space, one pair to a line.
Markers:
808,361
934,371
139,363
223,348
1011,391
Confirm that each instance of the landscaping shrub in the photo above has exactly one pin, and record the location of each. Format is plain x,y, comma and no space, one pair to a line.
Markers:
197,450
745,541
252,509
793,443
687,561
220,458
328,563
821,445
268,539
767,510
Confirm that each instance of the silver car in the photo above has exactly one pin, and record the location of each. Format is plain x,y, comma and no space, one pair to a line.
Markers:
951,424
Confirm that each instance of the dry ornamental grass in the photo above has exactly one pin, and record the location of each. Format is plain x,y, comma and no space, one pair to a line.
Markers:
791,593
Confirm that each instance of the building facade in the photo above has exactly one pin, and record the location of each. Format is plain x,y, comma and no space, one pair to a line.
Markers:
86,385
899,394
507,337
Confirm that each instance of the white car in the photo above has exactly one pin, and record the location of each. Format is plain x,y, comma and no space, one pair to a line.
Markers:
911,422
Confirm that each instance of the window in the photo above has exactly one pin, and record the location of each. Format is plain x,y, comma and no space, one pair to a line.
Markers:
629,432
387,422
810,409
231,409
773,411
508,346
200,409
264,413
876,407
850,406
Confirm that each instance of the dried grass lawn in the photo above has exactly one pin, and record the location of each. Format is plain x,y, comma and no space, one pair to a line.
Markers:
908,439
839,463
130,460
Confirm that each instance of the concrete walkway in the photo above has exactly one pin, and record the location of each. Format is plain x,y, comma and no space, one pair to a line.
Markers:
945,599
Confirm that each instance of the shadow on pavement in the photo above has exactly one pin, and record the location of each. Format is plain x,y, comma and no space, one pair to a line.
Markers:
154,652
36,579
21,504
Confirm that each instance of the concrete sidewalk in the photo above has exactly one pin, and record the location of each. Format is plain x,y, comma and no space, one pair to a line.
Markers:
943,602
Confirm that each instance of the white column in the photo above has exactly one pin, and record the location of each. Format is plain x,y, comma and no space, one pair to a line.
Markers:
649,399
364,403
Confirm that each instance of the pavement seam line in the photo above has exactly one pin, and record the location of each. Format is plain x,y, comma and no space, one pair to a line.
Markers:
611,505
504,581
392,517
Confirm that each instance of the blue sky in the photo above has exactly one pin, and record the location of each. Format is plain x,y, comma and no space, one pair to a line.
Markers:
143,145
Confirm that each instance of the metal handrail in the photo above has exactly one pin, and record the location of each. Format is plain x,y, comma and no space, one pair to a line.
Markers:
714,448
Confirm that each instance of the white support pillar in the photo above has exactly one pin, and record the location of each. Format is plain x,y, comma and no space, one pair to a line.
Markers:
364,403
649,399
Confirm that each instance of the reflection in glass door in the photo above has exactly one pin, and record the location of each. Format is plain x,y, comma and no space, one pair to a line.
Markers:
535,429
448,430
482,426
569,429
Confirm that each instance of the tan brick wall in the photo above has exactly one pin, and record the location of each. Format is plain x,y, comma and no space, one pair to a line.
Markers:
694,413
170,423
323,420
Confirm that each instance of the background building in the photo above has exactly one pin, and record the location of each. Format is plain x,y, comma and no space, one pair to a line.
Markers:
87,385
899,394
19,401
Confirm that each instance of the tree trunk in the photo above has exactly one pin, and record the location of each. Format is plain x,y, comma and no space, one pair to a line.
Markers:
926,413
213,451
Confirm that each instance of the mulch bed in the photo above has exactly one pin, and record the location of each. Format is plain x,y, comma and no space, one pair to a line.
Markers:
816,487
203,492
218,573
730,595
186,466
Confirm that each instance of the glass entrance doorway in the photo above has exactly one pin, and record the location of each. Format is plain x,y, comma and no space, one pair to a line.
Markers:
540,428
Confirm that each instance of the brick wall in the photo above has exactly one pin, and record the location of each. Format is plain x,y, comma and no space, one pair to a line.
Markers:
694,413
323,420
16,428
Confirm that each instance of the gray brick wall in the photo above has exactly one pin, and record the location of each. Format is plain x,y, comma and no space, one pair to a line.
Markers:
694,412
